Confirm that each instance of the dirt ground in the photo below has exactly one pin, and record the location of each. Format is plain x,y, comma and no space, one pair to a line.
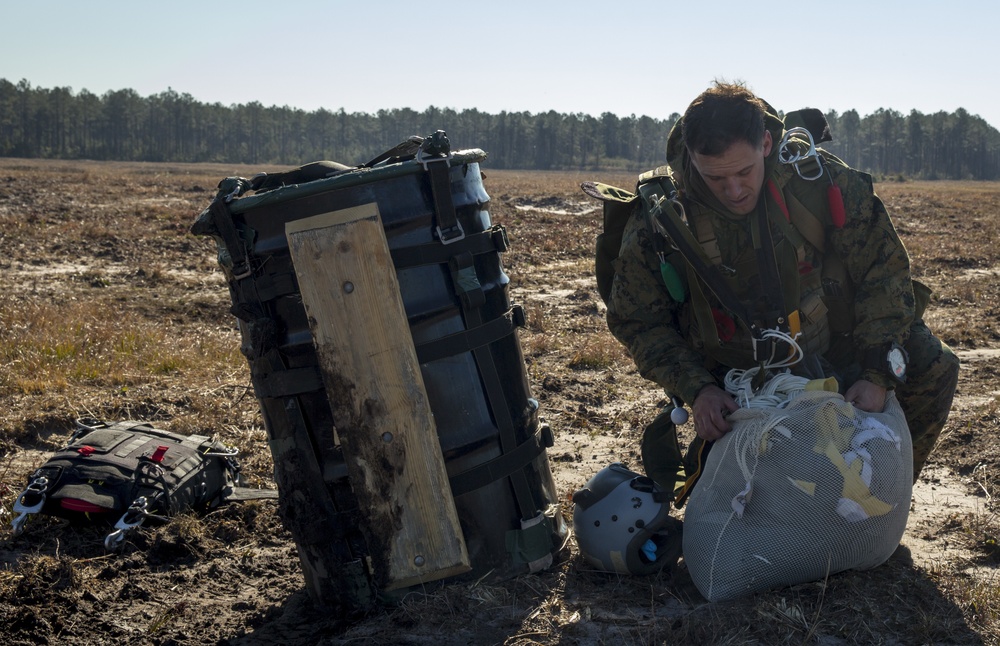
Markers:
111,309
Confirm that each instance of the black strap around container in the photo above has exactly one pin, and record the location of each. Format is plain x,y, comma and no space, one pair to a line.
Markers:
222,217
448,228
472,298
286,383
503,465
472,338
492,240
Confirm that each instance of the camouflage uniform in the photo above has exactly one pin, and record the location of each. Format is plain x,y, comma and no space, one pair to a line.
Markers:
667,339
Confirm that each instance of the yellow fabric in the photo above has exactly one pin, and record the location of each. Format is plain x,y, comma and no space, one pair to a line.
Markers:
829,385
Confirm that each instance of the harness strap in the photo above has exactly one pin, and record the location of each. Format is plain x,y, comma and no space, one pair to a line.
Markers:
771,312
448,227
275,285
707,239
223,220
403,150
681,493
807,224
688,246
239,494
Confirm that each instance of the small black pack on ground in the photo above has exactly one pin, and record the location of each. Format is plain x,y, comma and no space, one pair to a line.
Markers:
128,471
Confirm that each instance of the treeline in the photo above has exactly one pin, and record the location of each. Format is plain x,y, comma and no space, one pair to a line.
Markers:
121,125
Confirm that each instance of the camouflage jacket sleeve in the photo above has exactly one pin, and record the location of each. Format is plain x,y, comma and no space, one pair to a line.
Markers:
643,316
878,265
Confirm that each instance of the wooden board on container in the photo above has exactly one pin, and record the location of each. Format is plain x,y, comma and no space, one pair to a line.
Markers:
377,396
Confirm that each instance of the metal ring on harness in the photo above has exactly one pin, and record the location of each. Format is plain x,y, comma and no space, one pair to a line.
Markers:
791,154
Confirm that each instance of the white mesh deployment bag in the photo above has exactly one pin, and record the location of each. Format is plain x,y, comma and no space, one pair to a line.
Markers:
796,491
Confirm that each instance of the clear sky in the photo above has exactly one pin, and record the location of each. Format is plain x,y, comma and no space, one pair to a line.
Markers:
586,56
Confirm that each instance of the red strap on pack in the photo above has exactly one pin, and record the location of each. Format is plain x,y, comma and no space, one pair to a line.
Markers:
725,326
83,506
159,453
836,200
85,450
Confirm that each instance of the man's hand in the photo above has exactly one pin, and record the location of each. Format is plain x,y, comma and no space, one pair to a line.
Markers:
867,396
710,409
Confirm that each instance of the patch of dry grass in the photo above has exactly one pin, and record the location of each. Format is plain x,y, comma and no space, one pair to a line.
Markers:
53,347
597,352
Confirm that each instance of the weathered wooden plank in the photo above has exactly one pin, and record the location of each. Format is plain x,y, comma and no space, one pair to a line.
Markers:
380,406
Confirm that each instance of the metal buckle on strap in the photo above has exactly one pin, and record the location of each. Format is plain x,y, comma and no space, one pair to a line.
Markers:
657,205
425,160
763,349
454,232
244,272
790,152
500,239
37,487
449,235
133,517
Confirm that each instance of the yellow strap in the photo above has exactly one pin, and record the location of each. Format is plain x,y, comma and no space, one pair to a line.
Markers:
794,323
682,492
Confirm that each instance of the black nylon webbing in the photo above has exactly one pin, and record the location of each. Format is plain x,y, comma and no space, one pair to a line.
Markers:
472,338
767,266
683,239
471,297
492,240
223,219
439,172
499,467
285,383
275,285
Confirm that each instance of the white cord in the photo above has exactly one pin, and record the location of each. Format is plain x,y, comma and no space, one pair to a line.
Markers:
777,390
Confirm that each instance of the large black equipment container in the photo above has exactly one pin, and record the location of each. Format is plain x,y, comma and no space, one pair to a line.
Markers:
446,255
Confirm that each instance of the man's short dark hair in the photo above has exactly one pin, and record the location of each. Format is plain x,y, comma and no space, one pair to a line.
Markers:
721,116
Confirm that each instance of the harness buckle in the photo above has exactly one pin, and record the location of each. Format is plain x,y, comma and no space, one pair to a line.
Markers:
763,350
790,152
133,517
425,159
23,509
656,202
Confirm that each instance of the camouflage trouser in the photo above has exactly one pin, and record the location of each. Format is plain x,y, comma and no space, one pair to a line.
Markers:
932,376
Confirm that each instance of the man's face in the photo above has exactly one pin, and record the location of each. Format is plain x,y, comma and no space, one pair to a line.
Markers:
736,176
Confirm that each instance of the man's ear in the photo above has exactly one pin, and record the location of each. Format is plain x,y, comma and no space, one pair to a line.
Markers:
768,142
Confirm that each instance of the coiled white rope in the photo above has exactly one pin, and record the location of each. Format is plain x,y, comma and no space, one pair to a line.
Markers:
775,393
777,390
